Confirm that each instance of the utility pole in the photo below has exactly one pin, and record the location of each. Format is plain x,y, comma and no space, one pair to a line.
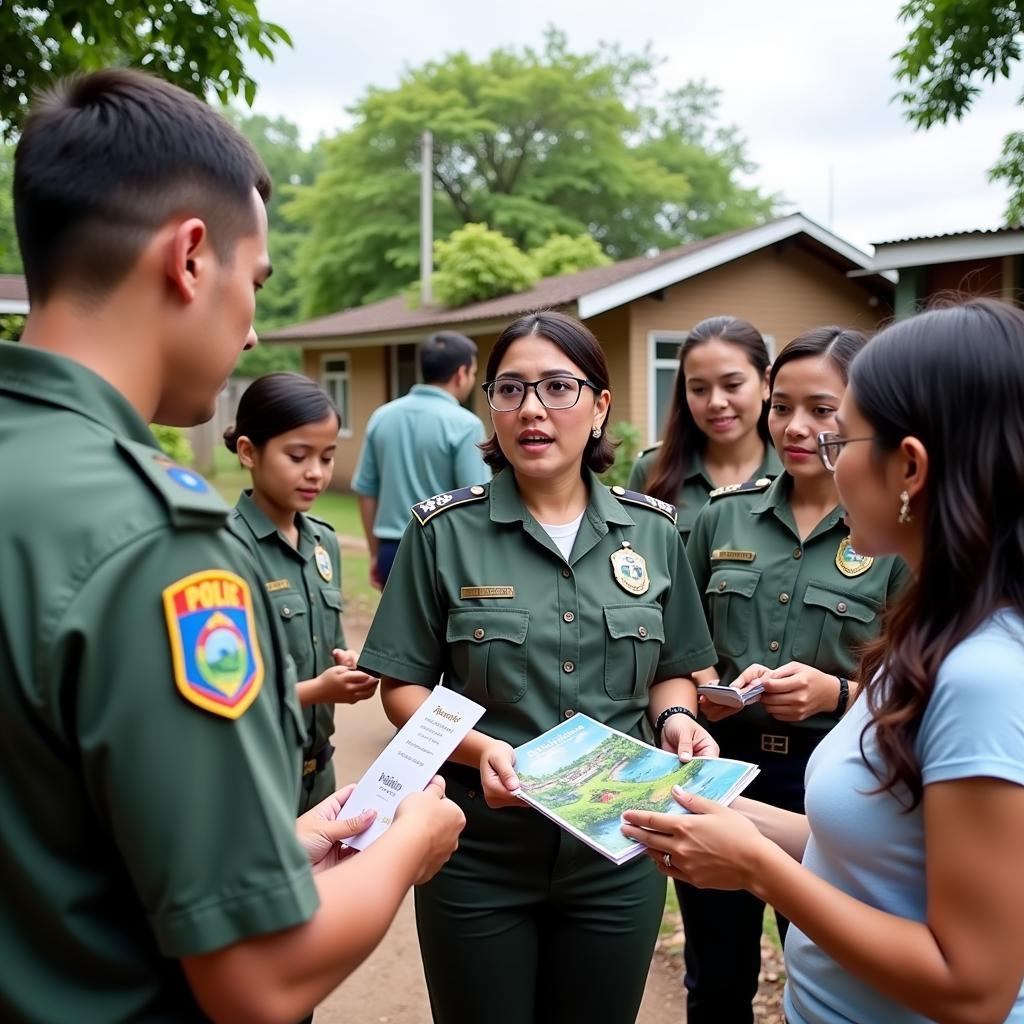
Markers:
426,216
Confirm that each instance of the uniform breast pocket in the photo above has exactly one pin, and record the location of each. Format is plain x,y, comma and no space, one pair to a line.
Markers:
730,599
488,651
833,624
293,615
632,648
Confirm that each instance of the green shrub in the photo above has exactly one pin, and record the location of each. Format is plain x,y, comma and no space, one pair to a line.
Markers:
561,254
174,443
628,437
476,263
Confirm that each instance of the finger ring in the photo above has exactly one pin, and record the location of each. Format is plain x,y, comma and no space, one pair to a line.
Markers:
667,860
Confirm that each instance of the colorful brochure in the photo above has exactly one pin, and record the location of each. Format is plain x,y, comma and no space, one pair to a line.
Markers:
583,775
411,759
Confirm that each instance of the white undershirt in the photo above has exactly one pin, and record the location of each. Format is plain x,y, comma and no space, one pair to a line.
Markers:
564,535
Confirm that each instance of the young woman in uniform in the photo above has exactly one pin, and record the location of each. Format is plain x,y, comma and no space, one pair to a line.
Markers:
903,880
285,434
784,590
541,595
716,433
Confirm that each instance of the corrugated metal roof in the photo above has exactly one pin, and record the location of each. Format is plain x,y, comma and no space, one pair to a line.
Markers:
952,234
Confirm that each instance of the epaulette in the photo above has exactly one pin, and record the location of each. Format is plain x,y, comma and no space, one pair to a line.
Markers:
651,448
750,487
424,511
636,498
189,499
320,522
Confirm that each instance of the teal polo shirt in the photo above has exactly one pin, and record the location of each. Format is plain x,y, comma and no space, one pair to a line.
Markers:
424,443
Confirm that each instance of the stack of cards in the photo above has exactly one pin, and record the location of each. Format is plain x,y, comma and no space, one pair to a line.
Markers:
729,697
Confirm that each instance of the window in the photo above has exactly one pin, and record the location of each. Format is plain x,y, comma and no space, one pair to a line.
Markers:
405,369
335,374
664,363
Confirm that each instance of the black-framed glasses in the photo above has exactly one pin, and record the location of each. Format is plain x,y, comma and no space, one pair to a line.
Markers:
830,445
508,393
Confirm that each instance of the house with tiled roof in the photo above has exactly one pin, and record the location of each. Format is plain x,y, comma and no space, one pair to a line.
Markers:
785,276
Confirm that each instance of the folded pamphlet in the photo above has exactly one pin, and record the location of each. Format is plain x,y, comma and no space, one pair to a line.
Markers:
583,775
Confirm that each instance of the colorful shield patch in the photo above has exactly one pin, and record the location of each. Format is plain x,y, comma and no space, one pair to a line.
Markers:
849,563
216,657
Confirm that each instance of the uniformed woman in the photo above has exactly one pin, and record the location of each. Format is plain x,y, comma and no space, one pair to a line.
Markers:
540,595
285,434
716,433
788,601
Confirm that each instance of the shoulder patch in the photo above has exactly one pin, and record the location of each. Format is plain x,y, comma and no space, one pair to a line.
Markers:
750,487
214,651
636,498
189,499
424,511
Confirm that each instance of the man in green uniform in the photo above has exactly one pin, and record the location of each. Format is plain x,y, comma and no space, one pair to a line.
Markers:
303,584
148,769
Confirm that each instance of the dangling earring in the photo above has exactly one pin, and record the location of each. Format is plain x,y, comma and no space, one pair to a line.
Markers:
595,433
905,516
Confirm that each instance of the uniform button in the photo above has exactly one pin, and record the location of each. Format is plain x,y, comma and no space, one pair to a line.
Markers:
478,633
642,632
774,645
566,573
568,666
316,640
568,616
798,553
841,607
471,793
722,585
286,612
783,598
569,712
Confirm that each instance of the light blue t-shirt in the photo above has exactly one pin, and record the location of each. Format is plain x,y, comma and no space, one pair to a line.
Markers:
864,844
417,446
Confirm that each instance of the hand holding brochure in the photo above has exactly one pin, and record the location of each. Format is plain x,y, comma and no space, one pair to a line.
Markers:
583,775
411,759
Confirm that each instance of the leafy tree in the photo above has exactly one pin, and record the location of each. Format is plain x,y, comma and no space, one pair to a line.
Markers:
10,259
561,254
477,263
199,45
174,443
530,142
290,165
954,45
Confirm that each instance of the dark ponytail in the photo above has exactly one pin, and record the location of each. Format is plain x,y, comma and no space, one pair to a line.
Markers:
276,403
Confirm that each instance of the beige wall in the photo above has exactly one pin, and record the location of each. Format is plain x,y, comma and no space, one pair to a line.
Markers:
368,382
783,291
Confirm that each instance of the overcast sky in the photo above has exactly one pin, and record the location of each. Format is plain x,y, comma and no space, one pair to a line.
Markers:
808,82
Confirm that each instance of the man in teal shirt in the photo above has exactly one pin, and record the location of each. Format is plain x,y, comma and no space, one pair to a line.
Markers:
422,443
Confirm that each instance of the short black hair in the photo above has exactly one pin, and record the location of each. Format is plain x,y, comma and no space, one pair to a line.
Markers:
276,403
443,354
105,160
578,343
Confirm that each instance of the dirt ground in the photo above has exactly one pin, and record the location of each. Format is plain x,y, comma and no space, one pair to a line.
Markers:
389,987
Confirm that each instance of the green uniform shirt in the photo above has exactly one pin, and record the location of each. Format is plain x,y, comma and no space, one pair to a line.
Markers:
480,594
772,598
697,484
304,588
138,827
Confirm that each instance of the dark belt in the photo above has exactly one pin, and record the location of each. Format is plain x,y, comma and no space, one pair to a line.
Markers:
320,760
769,746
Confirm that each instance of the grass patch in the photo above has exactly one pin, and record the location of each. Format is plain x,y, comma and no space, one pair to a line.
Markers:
771,928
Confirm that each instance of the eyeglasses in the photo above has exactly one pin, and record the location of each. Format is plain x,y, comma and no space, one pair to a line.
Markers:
830,445
508,393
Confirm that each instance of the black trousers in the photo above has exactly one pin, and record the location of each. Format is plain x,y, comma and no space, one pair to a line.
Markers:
722,930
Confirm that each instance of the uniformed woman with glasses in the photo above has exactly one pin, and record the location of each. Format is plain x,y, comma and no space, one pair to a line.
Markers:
789,603
541,595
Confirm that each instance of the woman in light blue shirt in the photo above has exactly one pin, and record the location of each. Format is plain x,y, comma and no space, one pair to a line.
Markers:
902,882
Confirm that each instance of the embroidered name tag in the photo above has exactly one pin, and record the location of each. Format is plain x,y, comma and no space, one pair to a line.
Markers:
723,555
273,585
471,592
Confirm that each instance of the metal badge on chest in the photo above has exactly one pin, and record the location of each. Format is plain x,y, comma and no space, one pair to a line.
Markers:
630,569
323,563
849,563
